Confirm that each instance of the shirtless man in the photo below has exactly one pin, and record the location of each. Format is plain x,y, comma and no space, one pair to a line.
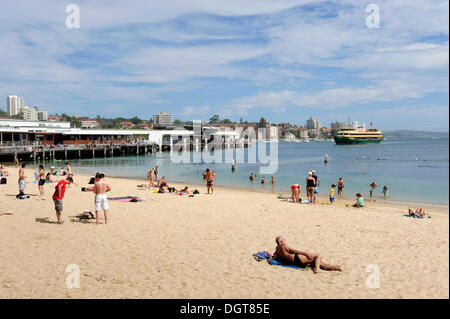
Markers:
301,258
150,176
101,200
69,169
41,181
340,186
22,177
155,171
210,175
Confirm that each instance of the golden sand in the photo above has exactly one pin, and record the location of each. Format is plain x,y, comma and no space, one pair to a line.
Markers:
181,247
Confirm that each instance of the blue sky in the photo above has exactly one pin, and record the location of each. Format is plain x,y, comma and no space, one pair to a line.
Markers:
283,60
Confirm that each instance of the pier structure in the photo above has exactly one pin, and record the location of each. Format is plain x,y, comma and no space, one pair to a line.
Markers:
48,141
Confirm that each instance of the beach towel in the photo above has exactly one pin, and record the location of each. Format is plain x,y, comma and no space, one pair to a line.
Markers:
413,216
271,259
126,199
275,262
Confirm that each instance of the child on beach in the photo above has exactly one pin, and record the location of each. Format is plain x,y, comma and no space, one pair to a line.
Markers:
373,185
359,201
332,193
384,192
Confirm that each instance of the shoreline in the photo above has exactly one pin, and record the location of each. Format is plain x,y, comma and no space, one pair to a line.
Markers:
321,196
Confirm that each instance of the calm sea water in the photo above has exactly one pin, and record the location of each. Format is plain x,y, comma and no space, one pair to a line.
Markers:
414,170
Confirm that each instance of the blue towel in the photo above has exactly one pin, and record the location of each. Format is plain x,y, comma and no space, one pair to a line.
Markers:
277,263
417,216
264,255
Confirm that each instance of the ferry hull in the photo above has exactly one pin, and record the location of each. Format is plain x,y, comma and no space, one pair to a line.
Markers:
346,140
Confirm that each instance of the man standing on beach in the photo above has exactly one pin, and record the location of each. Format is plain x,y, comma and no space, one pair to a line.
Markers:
58,195
101,200
150,176
300,258
69,169
340,186
210,175
22,177
316,186
155,171
310,182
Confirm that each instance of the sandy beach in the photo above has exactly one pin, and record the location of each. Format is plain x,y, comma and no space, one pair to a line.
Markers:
201,247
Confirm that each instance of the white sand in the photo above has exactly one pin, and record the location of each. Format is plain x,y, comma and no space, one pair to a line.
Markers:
180,247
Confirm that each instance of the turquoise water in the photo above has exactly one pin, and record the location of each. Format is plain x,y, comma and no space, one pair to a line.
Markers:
414,170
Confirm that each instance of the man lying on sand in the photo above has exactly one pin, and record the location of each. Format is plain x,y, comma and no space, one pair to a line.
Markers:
302,259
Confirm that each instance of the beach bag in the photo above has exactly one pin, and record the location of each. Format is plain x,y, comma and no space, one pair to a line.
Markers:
3,180
86,214
196,192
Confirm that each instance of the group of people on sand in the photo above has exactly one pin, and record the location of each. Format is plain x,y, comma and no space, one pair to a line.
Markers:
162,185
312,182
100,188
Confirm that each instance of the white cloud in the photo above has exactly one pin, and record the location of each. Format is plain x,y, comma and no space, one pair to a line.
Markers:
406,58
192,110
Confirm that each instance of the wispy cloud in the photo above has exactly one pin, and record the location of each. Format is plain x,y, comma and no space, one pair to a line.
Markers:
238,57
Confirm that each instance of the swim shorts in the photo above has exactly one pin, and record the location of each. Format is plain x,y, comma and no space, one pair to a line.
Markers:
297,262
101,202
58,204
210,183
22,184
41,182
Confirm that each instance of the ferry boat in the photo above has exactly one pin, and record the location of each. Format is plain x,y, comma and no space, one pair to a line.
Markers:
358,135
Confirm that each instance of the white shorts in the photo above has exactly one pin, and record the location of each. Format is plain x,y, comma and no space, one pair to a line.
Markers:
101,202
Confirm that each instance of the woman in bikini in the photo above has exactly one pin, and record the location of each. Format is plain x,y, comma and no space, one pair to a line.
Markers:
295,192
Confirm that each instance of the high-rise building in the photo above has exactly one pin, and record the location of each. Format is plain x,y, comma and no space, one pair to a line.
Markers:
29,113
13,104
313,123
42,115
162,119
